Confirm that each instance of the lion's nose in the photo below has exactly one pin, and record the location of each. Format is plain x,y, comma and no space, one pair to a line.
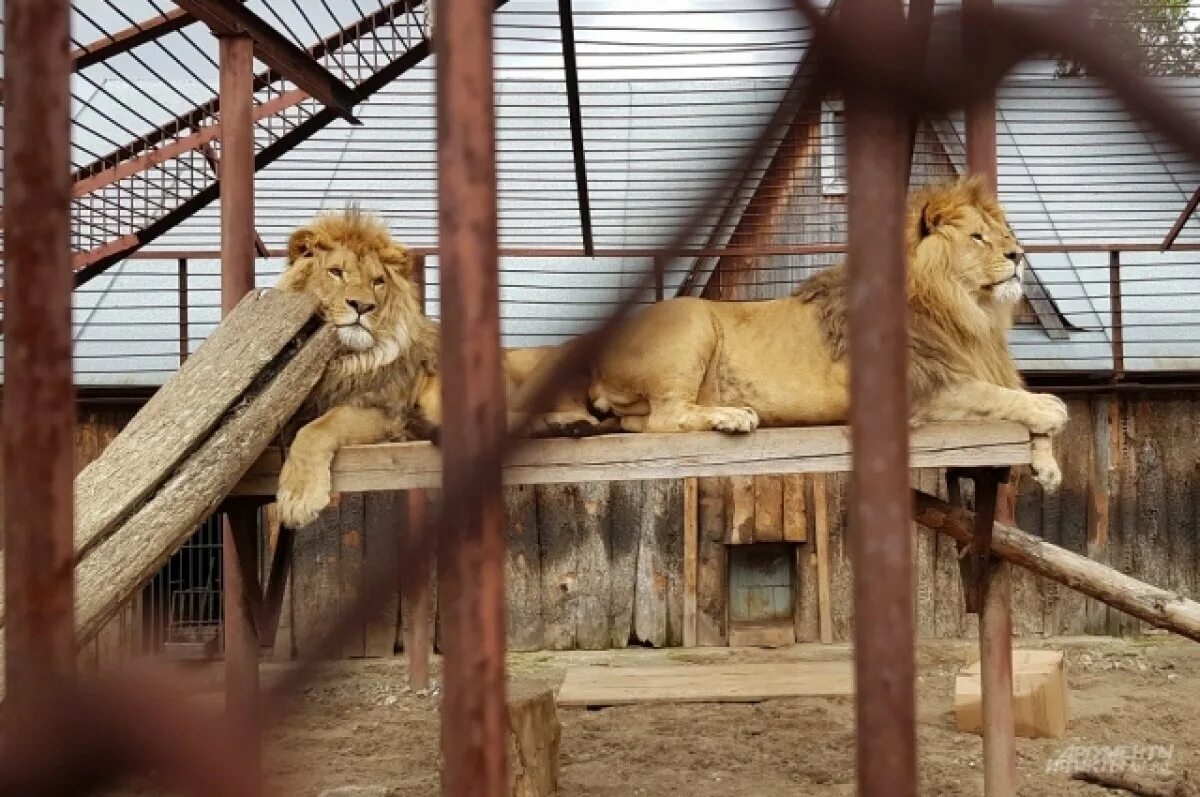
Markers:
362,308
1014,255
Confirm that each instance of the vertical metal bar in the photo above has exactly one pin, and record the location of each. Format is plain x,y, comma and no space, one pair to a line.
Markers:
184,301
1118,315
471,553
884,658
39,397
240,530
980,114
566,25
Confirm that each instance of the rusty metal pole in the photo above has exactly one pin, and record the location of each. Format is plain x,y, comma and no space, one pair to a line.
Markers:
39,397
995,588
880,510
240,534
471,547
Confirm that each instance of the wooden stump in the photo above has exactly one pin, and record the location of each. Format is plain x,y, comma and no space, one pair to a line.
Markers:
533,741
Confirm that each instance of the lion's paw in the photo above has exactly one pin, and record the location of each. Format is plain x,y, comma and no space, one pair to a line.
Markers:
302,496
734,420
1049,414
1046,471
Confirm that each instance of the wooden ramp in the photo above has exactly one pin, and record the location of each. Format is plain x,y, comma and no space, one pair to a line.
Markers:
705,683
178,458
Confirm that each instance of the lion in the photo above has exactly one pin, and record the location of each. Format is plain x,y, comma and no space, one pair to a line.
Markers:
383,382
690,364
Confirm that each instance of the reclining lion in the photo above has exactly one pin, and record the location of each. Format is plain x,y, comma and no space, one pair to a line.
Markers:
690,364
383,383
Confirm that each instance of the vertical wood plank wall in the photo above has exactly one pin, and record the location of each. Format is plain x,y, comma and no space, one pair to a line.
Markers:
601,565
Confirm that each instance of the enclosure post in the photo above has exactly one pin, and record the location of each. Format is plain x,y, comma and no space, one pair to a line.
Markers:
980,114
995,644
240,534
471,543
184,332
880,513
414,588
39,399
1118,315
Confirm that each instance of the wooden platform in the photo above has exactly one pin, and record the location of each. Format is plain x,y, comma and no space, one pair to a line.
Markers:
705,683
631,457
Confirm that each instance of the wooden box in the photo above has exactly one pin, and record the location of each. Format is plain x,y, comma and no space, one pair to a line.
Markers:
1039,695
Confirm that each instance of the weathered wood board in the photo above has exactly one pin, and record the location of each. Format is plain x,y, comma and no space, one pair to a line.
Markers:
705,683
625,457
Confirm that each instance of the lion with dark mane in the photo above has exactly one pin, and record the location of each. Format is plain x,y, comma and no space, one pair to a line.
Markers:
383,383
691,364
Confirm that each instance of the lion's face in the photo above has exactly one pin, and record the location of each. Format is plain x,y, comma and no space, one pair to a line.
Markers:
362,280
960,240
990,261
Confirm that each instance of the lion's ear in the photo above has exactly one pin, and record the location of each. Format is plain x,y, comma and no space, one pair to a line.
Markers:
306,242
934,213
397,259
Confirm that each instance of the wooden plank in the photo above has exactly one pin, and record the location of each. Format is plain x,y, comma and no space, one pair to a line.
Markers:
523,569
924,562
316,579
1026,587
948,607
807,596
117,567
821,536
383,521
1096,613
351,522
711,567
592,573
624,532
742,507
621,457
558,527
768,508
691,545
184,411
670,541
705,683
795,521
652,594
1075,453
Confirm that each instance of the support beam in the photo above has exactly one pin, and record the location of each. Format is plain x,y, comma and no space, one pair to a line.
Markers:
127,39
1117,313
228,17
879,527
240,535
1185,215
39,399
472,540
566,24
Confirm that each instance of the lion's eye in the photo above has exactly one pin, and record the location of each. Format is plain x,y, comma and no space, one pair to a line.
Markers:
977,237
378,282
336,273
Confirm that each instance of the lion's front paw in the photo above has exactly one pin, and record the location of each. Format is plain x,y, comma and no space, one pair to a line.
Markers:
734,420
1046,471
1049,414
302,494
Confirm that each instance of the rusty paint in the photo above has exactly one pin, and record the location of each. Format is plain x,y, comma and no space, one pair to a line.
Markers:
39,400
472,540
884,658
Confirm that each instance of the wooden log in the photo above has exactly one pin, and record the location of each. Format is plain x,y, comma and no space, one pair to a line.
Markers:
535,736
1159,607
668,455
418,585
183,412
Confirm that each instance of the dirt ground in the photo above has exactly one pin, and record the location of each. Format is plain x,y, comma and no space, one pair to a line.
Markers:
360,732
